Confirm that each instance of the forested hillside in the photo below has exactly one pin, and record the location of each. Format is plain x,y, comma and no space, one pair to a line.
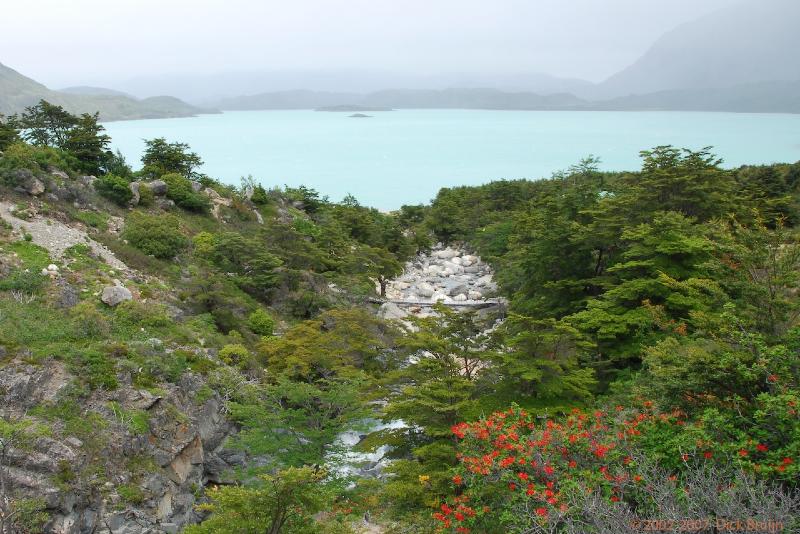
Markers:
176,353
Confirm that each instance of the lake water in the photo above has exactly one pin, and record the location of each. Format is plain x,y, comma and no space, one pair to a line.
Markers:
404,157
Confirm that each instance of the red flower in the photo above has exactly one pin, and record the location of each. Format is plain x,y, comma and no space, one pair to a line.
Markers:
541,512
549,470
523,476
762,448
614,498
708,455
742,453
459,516
512,486
457,480
446,509
772,378
787,461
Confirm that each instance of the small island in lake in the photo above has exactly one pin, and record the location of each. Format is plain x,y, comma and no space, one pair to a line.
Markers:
360,116
352,108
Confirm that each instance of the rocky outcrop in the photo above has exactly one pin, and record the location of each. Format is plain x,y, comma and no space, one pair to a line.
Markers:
85,482
135,194
158,187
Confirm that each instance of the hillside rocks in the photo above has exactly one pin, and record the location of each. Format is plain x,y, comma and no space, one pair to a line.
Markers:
158,187
115,295
56,236
83,479
445,274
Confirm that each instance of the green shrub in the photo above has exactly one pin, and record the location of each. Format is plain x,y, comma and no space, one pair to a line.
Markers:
156,236
131,494
92,218
234,354
95,368
114,188
259,196
24,280
146,196
19,156
261,323
179,189
203,243
89,322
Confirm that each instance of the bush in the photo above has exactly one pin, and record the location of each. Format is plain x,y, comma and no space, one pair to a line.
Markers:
114,188
146,196
234,354
261,323
179,189
25,281
156,236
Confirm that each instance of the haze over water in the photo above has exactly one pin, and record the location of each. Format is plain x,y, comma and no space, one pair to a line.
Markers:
406,156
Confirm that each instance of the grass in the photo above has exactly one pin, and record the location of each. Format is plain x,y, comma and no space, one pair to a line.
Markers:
92,219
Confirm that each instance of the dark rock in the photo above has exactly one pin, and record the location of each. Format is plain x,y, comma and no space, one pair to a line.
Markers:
158,187
68,296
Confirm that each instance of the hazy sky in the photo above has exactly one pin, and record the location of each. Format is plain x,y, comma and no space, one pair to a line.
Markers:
70,42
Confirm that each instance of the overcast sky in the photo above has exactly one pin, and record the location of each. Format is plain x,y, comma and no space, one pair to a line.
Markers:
71,42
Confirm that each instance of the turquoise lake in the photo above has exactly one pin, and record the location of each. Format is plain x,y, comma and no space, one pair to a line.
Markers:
406,156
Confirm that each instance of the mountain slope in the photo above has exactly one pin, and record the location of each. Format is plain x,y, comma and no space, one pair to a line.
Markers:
18,91
747,43
761,97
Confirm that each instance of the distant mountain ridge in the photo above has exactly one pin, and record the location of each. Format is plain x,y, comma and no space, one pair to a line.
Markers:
18,92
762,97
751,42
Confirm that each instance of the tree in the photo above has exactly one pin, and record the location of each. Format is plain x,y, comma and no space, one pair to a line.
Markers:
542,363
9,133
439,387
161,157
47,124
86,141
284,503
377,263
310,415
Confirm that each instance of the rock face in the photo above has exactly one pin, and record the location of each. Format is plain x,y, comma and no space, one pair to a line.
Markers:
115,295
158,187
134,187
446,274
28,183
181,450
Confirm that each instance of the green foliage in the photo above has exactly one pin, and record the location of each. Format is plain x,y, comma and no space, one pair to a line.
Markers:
179,189
131,494
49,125
283,503
9,133
261,322
86,142
310,414
234,354
158,236
114,188
340,342
161,157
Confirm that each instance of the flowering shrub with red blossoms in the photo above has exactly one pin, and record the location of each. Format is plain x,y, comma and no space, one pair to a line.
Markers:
521,473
